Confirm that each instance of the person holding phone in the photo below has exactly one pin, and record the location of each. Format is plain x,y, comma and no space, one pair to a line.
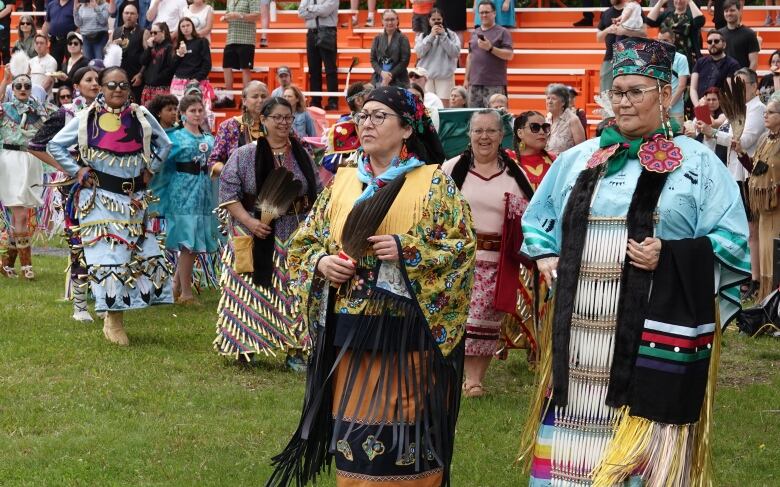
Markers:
437,52
489,51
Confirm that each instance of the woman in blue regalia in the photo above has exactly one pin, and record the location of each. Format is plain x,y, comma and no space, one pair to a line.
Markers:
121,146
187,199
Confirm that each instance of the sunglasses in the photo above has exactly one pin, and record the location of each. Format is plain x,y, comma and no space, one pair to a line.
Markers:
22,86
74,43
536,127
155,32
120,85
66,95
713,41
25,23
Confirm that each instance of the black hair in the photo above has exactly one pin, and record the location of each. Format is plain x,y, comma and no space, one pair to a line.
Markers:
159,102
466,160
419,90
194,31
102,75
81,72
352,91
773,55
665,29
488,3
264,156
166,31
520,122
436,10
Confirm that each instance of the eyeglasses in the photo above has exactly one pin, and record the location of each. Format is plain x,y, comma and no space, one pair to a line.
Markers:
414,75
714,41
74,43
634,95
536,127
25,23
377,118
22,86
117,85
155,32
281,118
64,96
488,132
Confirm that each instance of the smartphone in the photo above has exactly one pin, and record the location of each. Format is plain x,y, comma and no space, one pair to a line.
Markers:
481,37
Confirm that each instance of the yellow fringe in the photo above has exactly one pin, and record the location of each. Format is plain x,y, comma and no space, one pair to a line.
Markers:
543,382
405,212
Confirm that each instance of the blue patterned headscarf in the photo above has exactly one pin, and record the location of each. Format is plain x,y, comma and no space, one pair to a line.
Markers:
645,57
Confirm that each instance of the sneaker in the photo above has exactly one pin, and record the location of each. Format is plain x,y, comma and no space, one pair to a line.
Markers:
768,21
583,22
296,363
263,42
369,22
225,102
82,316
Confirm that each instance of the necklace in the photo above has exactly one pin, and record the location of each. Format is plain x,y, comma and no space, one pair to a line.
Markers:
110,121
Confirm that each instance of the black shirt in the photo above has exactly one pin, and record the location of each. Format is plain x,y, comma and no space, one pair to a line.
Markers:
712,72
196,64
132,50
606,21
739,43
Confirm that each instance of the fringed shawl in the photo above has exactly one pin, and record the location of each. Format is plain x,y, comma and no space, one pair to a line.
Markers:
763,188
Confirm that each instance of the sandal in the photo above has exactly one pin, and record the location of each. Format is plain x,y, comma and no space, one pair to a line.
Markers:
474,390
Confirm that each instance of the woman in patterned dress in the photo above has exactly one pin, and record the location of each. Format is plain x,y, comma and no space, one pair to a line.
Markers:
257,313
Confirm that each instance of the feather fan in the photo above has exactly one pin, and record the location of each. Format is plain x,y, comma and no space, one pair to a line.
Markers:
113,56
277,194
364,219
732,101
20,64
355,62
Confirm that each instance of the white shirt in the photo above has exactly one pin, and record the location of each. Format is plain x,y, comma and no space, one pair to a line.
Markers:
198,19
39,66
754,129
170,12
432,101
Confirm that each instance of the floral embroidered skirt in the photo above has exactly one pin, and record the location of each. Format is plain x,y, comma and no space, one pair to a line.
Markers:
483,328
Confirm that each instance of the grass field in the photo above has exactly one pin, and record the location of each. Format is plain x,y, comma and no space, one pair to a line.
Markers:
76,410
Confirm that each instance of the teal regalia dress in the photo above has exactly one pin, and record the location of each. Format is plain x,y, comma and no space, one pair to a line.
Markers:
187,197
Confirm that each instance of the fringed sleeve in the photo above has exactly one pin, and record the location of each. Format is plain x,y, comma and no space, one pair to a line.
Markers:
438,258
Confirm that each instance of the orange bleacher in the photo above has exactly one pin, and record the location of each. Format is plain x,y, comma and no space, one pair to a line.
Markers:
547,49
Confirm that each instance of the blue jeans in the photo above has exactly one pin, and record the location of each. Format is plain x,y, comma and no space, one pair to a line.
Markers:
93,49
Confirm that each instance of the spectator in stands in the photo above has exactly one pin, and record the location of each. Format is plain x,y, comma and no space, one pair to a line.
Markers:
5,33
284,77
686,20
499,102
265,18
239,53
115,8
194,63
130,37
680,75
25,36
565,127
239,130
771,82
609,32
747,144
303,123
713,69
433,112
42,63
38,5
489,51
454,12
169,12
321,18
421,12
64,95
716,9
202,15
438,52
59,23
459,97
92,21
741,41
75,59
505,13
587,17
419,75
706,133
355,4
579,112
165,108
390,53
157,63
769,21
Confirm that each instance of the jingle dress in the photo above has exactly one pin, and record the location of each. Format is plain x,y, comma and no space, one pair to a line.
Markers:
186,194
254,318
125,265
383,386
603,326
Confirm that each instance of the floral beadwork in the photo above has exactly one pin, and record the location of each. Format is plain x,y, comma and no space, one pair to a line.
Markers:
602,155
660,155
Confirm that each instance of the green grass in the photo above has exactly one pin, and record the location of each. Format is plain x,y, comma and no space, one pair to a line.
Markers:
76,410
